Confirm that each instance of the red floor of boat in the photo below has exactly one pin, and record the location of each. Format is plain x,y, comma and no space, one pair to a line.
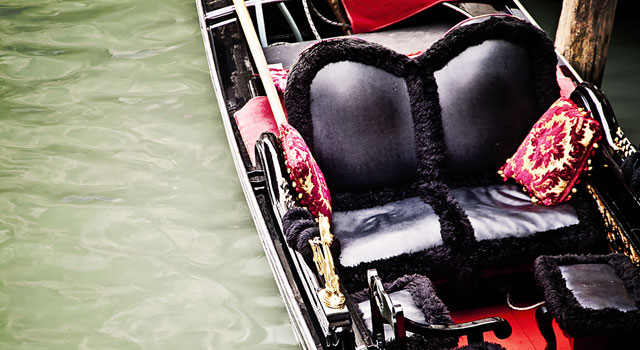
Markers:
525,330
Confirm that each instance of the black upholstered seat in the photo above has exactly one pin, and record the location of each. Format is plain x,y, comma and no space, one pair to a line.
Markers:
593,298
410,148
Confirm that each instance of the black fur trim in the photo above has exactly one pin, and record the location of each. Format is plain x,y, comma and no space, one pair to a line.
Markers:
573,318
299,227
371,198
425,298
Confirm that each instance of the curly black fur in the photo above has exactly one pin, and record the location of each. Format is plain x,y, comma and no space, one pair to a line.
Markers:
573,318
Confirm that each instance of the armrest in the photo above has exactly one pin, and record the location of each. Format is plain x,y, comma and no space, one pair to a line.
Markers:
473,330
383,310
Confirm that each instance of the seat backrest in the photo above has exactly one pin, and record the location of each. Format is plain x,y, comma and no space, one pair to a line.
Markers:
365,99
353,103
495,78
377,121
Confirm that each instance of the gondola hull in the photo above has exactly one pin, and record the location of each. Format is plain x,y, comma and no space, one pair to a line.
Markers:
267,187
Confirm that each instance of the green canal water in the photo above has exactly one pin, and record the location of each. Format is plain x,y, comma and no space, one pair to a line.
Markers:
122,223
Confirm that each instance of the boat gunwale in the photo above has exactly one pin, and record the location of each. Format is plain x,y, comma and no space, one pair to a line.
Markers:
301,329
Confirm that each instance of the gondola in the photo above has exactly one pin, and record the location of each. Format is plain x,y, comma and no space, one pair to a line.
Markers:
411,113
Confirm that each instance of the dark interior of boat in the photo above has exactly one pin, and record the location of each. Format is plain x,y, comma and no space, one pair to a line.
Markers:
410,125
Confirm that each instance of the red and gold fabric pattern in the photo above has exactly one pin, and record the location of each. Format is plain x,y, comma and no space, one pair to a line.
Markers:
550,160
305,173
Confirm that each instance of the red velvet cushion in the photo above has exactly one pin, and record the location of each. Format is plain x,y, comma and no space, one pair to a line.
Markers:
551,158
254,119
305,173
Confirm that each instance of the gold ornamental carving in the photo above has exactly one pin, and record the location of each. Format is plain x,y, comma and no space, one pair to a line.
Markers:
330,295
616,236
623,143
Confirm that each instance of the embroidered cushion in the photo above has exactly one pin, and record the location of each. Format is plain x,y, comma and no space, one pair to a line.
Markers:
305,172
551,158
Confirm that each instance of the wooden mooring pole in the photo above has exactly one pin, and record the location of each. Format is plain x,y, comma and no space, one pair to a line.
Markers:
583,35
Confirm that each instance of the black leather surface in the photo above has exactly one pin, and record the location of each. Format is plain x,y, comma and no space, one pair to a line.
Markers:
348,98
596,286
496,212
488,106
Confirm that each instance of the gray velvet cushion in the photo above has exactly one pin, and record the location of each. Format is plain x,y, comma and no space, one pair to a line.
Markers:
410,225
502,211
386,231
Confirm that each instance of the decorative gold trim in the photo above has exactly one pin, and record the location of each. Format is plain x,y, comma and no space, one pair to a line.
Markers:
618,241
330,295
623,143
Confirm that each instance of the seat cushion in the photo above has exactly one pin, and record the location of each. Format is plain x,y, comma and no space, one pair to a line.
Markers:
597,286
410,225
385,231
485,111
502,211
591,295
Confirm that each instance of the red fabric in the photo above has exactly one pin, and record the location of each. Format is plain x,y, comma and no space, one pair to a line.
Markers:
279,77
525,334
550,160
367,16
254,119
305,172
566,84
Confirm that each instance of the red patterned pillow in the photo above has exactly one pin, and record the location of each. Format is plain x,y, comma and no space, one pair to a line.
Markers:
551,158
305,172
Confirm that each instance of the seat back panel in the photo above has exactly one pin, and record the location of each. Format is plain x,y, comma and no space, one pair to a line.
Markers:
487,105
347,99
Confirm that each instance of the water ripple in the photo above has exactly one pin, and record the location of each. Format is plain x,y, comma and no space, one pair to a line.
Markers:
122,224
